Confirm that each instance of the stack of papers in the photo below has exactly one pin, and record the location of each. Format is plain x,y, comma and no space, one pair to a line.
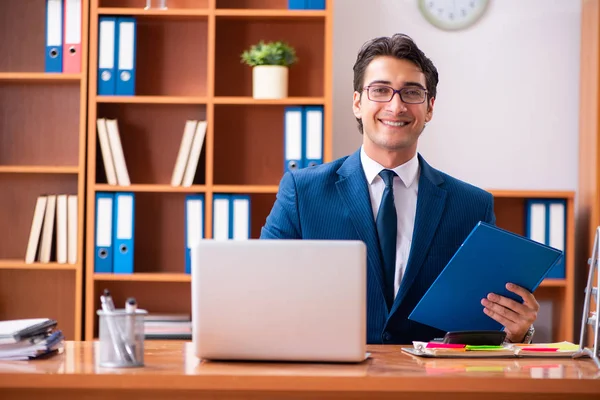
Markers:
444,350
27,339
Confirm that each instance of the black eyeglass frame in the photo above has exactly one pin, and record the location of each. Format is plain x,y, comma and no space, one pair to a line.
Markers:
394,91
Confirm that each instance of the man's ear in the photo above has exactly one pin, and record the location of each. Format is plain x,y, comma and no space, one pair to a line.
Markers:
356,105
429,114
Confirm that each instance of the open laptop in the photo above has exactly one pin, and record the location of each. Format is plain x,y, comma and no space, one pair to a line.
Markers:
279,300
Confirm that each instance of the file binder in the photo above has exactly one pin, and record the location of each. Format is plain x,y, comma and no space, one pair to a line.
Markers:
293,134
297,4
54,32
195,151
103,258
221,216
313,135
61,228
48,229
107,31
72,37
124,232
315,4
239,217
183,155
489,258
36,229
194,225
126,39
72,228
546,224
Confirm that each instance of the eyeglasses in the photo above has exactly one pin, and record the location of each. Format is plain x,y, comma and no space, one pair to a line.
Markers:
383,94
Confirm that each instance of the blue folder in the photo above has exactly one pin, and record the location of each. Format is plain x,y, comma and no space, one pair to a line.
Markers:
489,258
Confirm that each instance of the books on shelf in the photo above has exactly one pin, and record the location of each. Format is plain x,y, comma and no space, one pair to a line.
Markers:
112,152
189,153
54,222
26,339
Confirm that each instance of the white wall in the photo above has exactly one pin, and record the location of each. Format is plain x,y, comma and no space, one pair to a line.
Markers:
506,115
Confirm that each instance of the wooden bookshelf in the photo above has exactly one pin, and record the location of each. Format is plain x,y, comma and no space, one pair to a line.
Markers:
510,210
588,196
196,73
42,151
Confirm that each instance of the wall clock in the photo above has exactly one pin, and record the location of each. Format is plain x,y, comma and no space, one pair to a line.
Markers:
452,14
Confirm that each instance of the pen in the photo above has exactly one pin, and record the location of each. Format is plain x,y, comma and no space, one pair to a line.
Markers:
104,301
109,301
130,309
131,305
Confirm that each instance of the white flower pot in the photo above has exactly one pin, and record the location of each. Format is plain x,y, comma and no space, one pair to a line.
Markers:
269,82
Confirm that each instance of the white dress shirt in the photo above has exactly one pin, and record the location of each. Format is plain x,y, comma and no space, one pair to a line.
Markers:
406,187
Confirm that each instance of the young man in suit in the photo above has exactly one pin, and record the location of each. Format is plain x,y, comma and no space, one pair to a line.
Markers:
411,216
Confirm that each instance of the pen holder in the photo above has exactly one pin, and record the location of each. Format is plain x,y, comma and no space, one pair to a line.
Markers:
121,338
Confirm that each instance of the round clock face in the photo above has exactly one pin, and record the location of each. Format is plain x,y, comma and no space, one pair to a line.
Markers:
452,14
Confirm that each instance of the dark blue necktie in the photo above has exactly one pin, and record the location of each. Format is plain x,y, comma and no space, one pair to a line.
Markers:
386,230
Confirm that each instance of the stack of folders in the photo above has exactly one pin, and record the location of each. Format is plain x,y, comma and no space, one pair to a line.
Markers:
112,152
55,216
546,224
189,153
27,339
63,36
306,4
303,137
168,326
116,55
114,236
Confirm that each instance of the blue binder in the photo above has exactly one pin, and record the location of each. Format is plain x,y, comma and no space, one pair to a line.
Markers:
315,4
126,56
312,136
194,225
297,4
293,138
221,229
550,223
107,55
489,258
54,36
239,218
123,233
103,258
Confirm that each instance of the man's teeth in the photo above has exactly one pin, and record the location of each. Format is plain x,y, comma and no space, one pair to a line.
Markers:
392,123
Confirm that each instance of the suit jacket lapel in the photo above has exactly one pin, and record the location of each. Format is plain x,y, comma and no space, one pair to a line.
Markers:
430,206
353,189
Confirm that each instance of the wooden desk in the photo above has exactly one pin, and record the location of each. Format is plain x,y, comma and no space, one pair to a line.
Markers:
173,372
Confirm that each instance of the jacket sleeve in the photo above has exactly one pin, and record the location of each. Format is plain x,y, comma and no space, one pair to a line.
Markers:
490,216
284,222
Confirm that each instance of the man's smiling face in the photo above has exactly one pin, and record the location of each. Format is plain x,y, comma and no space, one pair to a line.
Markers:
393,126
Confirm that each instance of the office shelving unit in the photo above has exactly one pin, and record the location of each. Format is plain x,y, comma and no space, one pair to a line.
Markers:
42,151
588,199
188,67
509,207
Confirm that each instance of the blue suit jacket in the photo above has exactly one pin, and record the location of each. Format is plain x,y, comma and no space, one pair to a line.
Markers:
331,201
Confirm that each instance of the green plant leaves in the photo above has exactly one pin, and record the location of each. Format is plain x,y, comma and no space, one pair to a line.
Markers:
271,53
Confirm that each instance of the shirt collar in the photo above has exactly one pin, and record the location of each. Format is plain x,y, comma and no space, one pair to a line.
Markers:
407,172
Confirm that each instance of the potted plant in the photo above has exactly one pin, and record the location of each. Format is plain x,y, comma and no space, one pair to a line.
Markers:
270,62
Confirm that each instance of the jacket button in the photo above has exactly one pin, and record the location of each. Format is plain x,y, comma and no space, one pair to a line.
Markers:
387,336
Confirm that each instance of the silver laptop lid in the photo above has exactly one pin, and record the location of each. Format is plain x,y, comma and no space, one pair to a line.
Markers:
295,300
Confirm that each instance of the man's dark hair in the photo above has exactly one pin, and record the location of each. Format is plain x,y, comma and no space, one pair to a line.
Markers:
402,47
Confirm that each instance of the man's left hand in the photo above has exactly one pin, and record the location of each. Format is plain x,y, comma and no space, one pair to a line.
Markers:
516,317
